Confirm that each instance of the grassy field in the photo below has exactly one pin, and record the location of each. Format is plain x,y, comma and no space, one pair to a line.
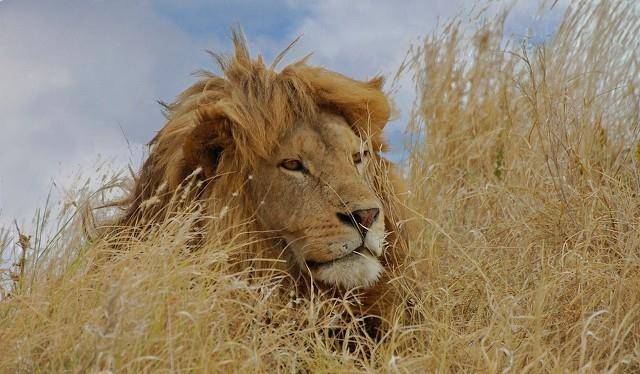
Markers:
523,167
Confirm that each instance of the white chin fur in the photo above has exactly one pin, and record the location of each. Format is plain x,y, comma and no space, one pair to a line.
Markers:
354,271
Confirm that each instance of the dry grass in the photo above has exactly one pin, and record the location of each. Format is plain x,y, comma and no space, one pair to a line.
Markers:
523,168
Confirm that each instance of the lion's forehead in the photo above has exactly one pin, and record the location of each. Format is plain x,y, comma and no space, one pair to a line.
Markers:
329,136
307,140
338,135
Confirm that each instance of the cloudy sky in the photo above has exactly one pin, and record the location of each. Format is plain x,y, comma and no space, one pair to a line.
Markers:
79,79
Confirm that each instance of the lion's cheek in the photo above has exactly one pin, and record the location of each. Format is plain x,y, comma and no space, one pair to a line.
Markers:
285,205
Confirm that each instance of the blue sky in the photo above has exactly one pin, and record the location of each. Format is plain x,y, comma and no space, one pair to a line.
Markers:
79,79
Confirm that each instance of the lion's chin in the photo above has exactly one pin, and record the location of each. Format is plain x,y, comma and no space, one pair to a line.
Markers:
351,271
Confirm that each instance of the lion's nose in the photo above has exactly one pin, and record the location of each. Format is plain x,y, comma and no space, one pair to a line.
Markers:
362,219
365,217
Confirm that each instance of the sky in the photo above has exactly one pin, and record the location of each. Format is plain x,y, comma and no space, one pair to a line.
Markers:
80,79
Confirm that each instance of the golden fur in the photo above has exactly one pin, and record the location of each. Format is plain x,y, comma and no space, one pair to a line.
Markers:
226,134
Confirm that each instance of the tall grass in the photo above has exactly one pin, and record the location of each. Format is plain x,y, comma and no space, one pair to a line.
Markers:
524,178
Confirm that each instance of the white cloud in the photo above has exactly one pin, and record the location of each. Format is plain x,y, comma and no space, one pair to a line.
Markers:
74,75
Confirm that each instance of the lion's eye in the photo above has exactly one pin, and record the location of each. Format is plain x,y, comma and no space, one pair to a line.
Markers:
357,157
292,164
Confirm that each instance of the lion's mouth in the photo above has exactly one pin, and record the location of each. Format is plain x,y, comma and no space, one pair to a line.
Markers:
361,251
358,268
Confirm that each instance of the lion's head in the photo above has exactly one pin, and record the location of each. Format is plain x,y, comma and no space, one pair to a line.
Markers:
294,152
319,199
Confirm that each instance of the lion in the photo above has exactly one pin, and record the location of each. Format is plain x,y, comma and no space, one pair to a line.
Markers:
293,156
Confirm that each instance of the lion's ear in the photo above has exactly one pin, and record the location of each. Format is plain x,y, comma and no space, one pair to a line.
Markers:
376,83
207,143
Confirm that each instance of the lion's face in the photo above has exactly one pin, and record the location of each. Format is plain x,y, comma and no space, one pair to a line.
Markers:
314,192
316,184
